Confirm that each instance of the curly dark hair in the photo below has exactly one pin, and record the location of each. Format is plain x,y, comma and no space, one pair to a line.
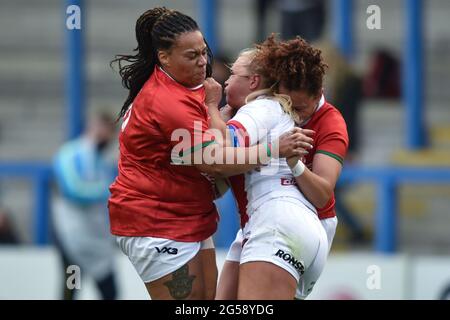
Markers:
293,64
156,29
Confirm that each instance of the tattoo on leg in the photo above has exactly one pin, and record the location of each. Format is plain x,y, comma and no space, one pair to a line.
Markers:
180,287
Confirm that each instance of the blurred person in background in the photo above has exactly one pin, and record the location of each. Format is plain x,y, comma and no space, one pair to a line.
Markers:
304,18
261,9
7,233
383,76
80,218
445,294
161,209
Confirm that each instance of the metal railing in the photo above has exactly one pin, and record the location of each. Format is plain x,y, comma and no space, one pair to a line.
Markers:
386,179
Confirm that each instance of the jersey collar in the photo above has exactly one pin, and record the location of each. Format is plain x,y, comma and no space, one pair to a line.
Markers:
319,105
168,75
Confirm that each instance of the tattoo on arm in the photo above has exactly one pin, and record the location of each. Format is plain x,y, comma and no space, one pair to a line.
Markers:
180,287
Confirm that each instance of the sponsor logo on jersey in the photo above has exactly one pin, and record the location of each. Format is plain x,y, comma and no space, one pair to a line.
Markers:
167,250
288,181
298,265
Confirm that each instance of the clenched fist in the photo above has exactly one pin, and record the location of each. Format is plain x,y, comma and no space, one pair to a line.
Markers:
213,91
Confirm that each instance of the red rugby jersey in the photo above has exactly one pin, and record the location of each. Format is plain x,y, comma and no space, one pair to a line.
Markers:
331,138
151,196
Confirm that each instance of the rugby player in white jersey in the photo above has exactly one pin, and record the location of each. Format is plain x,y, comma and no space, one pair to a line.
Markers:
281,237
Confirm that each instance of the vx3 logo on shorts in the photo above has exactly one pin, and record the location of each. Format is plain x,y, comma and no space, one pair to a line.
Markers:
167,250
298,265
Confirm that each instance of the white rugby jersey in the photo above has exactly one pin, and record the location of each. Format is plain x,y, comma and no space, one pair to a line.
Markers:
260,121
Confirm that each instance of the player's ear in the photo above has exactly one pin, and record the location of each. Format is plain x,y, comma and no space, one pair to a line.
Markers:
255,81
163,57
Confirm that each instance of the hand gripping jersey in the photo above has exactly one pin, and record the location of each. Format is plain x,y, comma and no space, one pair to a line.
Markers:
260,121
151,196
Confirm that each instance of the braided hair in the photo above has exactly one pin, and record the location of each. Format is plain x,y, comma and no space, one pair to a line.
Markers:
156,29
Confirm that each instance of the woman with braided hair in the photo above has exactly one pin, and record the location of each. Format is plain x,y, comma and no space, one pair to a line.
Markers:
147,198
160,208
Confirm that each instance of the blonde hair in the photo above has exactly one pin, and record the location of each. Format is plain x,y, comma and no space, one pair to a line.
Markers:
248,53
283,99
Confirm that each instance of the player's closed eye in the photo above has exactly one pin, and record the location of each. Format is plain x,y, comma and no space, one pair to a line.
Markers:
195,55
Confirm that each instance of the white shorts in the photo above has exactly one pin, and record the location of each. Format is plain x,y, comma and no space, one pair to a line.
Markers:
282,231
311,275
154,258
330,225
309,278
234,253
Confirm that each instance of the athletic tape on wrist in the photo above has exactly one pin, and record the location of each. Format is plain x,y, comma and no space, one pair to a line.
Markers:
298,169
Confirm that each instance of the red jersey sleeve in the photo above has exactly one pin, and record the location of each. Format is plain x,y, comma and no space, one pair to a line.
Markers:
332,138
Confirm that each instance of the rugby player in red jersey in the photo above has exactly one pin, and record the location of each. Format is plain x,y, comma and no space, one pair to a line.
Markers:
162,212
